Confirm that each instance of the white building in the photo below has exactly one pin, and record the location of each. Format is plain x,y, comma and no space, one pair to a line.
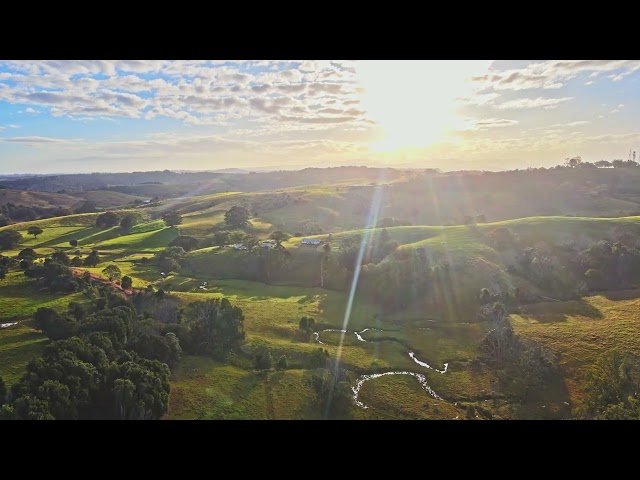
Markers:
310,241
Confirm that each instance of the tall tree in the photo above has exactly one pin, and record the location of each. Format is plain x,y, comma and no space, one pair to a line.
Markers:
9,239
35,231
128,221
324,262
112,272
221,238
273,259
251,242
237,217
279,237
92,260
107,220
172,218
216,326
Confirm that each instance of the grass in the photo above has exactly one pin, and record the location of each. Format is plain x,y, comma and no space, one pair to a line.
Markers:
18,345
206,390
579,332
20,298
439,329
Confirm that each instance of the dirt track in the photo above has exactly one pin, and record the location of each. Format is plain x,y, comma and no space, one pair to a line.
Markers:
78,272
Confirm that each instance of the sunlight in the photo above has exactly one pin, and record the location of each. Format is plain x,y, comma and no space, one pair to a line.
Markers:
413,101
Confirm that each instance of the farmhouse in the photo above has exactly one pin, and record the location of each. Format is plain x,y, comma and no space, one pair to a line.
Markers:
310,241
239,246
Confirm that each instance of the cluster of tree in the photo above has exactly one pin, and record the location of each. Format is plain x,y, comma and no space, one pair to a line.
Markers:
608,266
332,391
216,327
52,274
186,242
102,364
170,259
612,388
9,239
404,277
577,162
237,217
306,327
5,264
172,218
522,367
11,213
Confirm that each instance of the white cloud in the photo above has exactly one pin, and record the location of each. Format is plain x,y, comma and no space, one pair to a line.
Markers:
194,92
571,124
551,74
533,103
35,140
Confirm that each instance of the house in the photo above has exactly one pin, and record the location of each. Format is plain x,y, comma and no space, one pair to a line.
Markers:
310,241
239,246
267,244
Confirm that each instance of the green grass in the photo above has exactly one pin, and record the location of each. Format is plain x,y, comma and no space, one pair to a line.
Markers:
20,297
204,389
149,241
18,345
581,331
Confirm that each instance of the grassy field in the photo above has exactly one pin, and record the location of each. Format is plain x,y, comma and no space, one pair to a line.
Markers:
18,344
580,331
20,298
438,330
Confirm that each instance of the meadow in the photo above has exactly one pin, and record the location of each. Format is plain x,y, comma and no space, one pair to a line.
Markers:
438,327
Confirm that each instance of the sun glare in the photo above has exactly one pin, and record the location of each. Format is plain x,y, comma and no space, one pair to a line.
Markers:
414,102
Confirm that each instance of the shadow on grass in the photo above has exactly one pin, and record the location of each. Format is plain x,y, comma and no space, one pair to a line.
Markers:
621,294
554,312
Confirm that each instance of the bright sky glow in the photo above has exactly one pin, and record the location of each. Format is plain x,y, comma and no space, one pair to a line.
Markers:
84,116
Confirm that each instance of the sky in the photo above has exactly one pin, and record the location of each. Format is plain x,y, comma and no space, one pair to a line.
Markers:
136,115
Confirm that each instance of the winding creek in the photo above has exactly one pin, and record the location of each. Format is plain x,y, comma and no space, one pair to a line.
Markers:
422,379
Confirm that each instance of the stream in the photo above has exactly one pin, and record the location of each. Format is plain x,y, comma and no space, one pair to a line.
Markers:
419,376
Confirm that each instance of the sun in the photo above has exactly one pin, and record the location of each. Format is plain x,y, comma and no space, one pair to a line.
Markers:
414,101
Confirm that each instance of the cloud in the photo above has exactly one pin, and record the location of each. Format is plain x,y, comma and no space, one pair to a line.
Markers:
571,124
552,74
193,92
35,140
547,103
495,122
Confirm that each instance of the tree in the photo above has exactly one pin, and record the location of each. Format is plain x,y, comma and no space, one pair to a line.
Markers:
3,272
112,272
61,257
251,242
188,243
485,296
263,359
603,164
324,262
28,254
282,363
73,242
279,237
573,161
273,259
35,231
333,394
237,217
216,326
107,220
92,260
128,221
221,238
612,387
172,218
9,239
126,282
3,391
